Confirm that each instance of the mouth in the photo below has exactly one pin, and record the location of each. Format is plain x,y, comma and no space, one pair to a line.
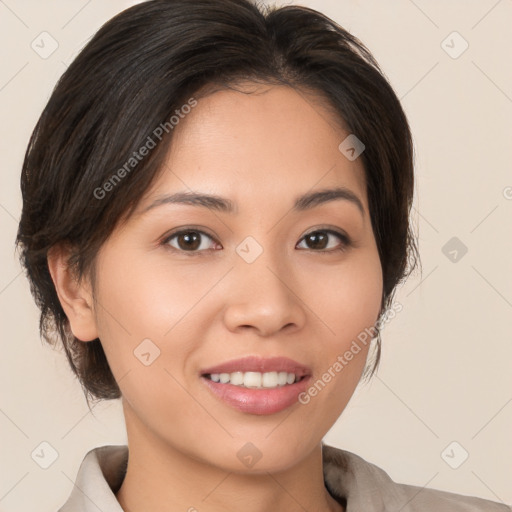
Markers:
255,380
257,386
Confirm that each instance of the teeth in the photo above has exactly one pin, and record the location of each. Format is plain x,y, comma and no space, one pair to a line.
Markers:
252,380
236,378
255,379
269,380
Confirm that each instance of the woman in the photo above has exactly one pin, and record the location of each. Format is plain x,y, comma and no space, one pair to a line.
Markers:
215,218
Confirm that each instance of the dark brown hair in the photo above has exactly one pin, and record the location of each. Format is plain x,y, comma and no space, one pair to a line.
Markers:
139,69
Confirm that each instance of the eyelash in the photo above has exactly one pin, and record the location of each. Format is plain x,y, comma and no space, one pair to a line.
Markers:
346,242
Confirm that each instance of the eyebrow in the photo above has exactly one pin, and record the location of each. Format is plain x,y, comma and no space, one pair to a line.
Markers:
224,205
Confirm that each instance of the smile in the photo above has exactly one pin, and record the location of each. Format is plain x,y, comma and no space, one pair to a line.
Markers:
256,380
256,385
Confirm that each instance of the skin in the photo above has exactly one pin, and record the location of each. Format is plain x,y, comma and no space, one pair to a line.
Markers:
295,300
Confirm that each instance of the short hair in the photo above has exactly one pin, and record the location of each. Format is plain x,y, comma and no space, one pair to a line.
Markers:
138,69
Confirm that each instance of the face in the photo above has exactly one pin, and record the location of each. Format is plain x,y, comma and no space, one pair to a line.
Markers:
183,290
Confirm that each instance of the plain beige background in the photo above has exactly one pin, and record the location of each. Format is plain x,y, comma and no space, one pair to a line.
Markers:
444,387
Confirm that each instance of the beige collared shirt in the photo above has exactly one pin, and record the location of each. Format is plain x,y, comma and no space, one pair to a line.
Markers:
359,485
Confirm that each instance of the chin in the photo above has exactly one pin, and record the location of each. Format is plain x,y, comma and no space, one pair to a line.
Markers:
260,454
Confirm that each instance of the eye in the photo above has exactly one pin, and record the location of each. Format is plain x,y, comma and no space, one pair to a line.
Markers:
319,240
195,241
188,240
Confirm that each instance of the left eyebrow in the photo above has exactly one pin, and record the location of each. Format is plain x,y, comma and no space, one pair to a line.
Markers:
224,205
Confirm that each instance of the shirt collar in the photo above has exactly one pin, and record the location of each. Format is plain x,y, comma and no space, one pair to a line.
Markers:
358,483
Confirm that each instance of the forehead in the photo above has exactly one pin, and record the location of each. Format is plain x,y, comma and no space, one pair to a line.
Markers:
258,143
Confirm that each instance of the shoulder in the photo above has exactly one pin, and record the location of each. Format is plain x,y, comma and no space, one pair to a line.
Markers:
432,499
365,486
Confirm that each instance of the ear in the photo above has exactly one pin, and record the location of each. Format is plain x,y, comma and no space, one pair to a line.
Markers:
75,298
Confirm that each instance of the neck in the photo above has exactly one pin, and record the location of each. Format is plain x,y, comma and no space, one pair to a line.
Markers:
162,476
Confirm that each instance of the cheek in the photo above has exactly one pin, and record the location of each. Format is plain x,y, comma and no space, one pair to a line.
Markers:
146,295
348,299
348,305
141,298
349,308
129,308
136,315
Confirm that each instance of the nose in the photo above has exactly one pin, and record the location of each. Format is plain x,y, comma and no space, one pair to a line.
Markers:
264,296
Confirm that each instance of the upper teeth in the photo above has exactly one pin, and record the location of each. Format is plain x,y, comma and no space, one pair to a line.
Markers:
255,379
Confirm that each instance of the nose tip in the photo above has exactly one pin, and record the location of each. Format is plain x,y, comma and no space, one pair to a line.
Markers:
263,300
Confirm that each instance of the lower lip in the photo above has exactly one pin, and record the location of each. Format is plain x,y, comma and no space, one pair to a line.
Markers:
258,401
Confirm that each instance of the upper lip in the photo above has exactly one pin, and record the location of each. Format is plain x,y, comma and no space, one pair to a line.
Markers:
259,364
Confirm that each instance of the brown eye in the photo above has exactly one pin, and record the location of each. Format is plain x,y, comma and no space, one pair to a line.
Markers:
193,241
188,241
319,240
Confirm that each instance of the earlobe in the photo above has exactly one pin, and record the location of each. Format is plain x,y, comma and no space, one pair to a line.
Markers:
75,298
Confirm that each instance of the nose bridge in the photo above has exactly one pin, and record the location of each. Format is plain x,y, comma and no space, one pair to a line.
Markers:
261,291
260,269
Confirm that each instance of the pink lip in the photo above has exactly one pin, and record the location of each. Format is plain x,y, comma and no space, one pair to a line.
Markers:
259,401
258,364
